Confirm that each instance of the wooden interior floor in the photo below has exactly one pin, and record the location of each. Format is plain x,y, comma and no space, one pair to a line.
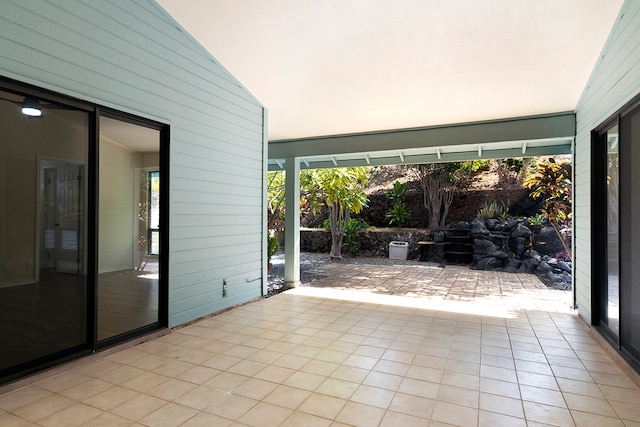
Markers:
50,316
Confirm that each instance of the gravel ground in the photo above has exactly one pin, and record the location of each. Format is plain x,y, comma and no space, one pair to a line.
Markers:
310,261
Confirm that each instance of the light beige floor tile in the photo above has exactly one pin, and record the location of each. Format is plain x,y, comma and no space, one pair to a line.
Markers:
471,382
63,381
426,374
291,361
542,395
396,419
627,411
372,396
75,415
145,381
231,407
352,414
417,406
589,404
255,388
620,394
198,374
492,419
545,414
172,389
265,415
457,395
287,397
226,381
350,373
603,378
275,374
537,380
301,419
322,405
139,407
305,380
111,398
169,415
511,406
14,421
454,414
337,388
22,397
383,380
390,367
320,367
247,368
201,397
108,420
584,419
43,408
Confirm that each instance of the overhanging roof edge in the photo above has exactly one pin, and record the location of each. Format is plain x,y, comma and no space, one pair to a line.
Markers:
512,129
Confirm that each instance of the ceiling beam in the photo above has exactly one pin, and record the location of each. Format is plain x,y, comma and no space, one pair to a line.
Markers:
475,133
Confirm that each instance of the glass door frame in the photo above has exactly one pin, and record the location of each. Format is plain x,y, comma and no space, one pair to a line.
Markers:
628,244
163,280
599,229
91,344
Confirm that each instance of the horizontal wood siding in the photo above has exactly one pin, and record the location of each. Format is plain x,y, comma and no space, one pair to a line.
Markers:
132,56
614,81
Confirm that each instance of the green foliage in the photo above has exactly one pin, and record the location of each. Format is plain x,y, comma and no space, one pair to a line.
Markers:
552,181
474,166
351,234
397,193
275,197
342,191
399,214
536,221
512,165
273,246
496,209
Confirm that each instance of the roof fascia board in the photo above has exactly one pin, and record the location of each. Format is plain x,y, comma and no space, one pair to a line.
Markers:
553,150
514,129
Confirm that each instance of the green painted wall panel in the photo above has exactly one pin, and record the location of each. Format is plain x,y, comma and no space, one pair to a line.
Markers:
614,81
133,57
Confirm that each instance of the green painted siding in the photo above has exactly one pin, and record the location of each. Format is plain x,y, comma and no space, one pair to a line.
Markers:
133,57
614,81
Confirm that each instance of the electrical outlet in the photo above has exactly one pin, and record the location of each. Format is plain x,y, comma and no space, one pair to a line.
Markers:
224,287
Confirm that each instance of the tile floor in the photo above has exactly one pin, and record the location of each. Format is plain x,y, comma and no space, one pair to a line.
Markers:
322,356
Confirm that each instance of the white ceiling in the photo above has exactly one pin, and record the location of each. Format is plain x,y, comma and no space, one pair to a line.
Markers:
325,67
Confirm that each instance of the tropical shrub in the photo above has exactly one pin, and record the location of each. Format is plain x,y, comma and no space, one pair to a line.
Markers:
552,181
399,213
495,209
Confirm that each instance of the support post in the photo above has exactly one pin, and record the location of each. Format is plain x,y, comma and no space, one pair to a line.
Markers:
292,224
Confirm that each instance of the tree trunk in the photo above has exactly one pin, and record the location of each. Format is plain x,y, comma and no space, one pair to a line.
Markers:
339,225
447,199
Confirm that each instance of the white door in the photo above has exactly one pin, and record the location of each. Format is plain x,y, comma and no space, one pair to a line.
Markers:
68,218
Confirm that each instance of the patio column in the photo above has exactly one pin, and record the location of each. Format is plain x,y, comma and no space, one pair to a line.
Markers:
292,223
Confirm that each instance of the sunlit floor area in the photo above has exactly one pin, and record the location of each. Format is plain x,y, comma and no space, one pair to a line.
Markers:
323,356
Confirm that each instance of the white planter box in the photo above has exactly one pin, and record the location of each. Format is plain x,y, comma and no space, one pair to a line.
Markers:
398,250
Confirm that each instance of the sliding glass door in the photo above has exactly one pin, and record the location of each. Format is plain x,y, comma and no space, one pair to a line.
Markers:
616,230
128,234
82,240
44,295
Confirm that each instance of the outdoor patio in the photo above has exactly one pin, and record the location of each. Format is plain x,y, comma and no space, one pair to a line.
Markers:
367,345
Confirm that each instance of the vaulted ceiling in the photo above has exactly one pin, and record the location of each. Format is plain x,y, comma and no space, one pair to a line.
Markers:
326,67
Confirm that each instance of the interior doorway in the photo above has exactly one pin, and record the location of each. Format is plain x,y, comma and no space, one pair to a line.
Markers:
62,206
129,261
